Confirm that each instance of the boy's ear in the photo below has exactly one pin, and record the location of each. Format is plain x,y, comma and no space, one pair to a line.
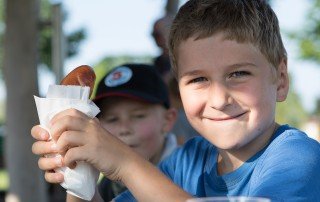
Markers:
282,80
171,117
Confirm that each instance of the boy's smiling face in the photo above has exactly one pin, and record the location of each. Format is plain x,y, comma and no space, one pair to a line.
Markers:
229,91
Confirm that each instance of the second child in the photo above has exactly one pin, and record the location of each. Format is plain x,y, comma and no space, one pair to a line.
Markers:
134,104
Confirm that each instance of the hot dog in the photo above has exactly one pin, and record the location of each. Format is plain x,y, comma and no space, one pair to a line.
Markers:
80,76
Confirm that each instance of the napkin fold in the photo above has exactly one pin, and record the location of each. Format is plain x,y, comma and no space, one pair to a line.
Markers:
80,181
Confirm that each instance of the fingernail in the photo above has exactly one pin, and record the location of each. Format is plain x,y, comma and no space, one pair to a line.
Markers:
44,135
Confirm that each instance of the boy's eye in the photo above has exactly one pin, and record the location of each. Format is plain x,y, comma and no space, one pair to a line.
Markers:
139,116
109,119
199,79
238,74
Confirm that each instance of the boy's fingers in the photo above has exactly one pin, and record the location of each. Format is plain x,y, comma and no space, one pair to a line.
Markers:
67,123
53,177
39,133
68,112
70,139
50,163
74,154
42,148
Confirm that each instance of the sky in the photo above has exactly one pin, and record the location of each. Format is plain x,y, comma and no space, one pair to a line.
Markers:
124,27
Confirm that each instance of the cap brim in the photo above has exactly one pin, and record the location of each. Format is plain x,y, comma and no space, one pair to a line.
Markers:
133,96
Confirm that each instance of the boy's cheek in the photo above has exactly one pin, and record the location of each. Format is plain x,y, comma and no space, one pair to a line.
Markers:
150,135
191,103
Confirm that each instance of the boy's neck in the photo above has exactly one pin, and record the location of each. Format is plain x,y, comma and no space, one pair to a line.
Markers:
230,160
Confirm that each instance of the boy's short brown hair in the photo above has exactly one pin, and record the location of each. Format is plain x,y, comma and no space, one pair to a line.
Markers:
250,21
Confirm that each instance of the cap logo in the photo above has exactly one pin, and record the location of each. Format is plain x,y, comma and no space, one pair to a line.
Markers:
118,76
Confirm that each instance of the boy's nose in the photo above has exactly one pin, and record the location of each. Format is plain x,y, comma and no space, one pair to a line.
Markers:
124,129
218,97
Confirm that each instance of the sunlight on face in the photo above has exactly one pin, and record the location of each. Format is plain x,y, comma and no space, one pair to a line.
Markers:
228,90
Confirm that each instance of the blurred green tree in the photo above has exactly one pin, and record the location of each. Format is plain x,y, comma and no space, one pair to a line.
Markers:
291,111
73,39
317,109
308,38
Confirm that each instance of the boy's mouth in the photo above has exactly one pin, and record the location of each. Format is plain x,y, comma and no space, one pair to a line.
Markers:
227,118
133,145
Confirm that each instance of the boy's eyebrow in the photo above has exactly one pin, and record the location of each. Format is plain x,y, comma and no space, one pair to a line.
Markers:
191,73
237,65
242,64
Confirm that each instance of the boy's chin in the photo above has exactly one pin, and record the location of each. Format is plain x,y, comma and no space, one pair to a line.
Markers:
229,147
229,144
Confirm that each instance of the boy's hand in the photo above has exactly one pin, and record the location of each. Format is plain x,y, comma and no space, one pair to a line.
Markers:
81,138
44,147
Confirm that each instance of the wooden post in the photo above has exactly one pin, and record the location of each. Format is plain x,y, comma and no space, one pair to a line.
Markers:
58,42
20,75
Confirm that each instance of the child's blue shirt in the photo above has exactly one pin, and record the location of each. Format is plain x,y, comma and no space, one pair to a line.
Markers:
288,168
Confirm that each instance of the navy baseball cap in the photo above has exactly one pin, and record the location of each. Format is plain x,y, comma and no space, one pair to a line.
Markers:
136,81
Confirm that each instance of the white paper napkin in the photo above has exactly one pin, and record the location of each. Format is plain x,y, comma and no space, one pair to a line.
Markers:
80,181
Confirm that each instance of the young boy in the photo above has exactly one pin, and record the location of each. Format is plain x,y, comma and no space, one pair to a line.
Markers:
134,104
231,66
135,107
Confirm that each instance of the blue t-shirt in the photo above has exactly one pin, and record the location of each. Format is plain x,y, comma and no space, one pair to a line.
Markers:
288,168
